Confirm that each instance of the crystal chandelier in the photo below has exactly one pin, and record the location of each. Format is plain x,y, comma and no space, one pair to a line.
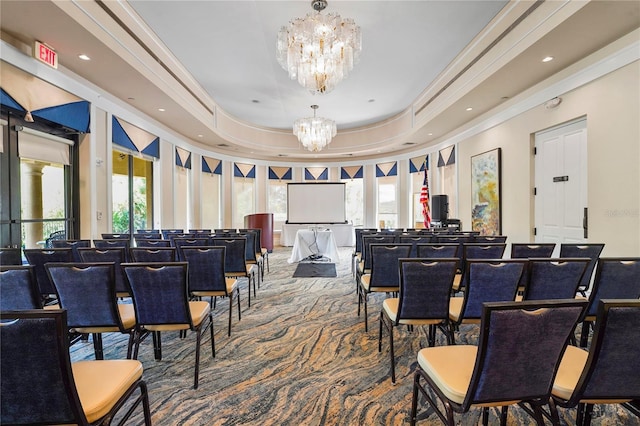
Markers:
314,133
319,50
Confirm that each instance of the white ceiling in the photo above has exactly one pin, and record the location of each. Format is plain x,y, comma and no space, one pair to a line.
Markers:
230,48
422,63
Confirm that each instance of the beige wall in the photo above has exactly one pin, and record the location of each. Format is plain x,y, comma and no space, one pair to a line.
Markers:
611,105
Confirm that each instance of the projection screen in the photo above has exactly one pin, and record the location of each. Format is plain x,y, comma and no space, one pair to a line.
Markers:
311,203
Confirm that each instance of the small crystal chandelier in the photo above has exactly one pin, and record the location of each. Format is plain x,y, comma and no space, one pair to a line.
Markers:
319,50
314,133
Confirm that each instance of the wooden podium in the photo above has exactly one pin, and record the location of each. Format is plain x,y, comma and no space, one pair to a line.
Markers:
264,221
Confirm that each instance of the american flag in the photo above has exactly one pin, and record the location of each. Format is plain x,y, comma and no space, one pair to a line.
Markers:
424,197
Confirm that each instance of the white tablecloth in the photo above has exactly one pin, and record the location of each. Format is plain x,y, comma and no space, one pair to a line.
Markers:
309,242
342,232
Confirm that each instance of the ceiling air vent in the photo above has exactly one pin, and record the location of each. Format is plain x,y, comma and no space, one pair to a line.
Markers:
409,143
223,145
282,155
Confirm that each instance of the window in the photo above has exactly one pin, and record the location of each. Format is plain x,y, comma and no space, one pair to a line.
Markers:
182,198
277,200
387,202
42,202
211,201
243,199
355,201
37,176
132,193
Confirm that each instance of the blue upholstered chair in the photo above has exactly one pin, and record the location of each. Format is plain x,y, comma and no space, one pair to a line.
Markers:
40,385
608,372
471,251
414,240
526,251
615,278
116,236
385,272
147,236
252,252
72,244
207,277
152,242
423,299
18,288
437,250
167,232
590,250
10,256
364,266
113,254
87,291
486,281
489,239
37,258
554,278
501,370
180,242
105,244
152,254
235,265
356,257
160,298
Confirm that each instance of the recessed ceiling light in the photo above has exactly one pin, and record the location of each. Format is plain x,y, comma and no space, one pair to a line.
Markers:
429,134
84,57
547,59
161,109
469,109
199,136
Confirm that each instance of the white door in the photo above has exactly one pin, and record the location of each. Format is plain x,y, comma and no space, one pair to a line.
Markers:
561,183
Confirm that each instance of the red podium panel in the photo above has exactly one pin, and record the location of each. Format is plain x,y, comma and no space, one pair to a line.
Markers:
264,221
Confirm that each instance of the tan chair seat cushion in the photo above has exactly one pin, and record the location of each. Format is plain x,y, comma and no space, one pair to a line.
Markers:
231,284
569,372
127,316
450,368
390,307
101,383
199,310
455,308
457,279
365,282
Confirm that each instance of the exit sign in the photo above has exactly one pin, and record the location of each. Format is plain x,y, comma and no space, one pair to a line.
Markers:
46,54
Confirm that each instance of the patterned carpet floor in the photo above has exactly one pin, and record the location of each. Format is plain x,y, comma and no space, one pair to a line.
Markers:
299,356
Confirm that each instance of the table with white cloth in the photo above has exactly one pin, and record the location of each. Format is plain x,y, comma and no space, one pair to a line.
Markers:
310,242
342,232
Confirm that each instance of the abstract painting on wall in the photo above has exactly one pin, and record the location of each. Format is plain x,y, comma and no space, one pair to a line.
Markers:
485,193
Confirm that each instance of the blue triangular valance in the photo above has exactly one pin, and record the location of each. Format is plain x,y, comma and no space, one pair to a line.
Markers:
132,138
